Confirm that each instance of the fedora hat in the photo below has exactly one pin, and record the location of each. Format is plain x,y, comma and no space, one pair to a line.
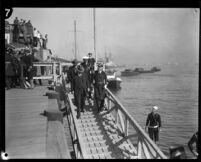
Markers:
100,65
80,68
74,61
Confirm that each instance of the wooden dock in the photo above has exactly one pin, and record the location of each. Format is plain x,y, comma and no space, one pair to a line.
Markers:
24,125
30,134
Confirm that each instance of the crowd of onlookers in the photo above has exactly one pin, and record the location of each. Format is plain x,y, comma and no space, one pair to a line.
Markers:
20,39
23,32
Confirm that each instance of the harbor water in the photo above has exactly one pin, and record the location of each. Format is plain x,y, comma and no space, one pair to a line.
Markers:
175,90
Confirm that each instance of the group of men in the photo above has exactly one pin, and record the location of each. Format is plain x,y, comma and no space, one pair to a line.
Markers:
84,80
39,39
30,35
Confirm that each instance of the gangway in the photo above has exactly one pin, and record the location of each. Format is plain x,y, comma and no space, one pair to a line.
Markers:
111,134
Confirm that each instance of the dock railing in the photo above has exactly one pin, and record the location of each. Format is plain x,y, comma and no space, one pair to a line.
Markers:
145,147
51,72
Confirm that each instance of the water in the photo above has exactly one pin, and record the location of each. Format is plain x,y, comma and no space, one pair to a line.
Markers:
175,91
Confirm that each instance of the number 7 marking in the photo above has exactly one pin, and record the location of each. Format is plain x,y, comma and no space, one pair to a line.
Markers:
7,12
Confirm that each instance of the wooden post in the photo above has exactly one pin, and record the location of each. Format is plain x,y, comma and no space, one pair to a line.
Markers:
108,103
21,76
54,71
139,148
126,126
121,121
60,69
146,151
116,116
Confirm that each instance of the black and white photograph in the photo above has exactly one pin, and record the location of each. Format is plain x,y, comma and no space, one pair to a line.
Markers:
101,83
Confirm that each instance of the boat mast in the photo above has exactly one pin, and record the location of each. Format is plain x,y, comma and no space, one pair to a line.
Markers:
94,21
75,41
106,60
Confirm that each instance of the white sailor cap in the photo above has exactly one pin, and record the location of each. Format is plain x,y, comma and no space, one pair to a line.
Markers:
85,57
155,107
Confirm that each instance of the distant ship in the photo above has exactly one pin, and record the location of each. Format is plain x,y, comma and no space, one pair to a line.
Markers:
137,71
152,70
129,72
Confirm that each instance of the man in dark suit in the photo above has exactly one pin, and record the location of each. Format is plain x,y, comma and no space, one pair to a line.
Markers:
80,89
91,64
87,75
71,75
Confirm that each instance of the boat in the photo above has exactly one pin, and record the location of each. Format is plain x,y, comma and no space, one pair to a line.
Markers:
129,72
136,71
155,69
152,70
113,81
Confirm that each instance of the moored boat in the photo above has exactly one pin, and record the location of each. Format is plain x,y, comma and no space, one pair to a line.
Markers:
113,81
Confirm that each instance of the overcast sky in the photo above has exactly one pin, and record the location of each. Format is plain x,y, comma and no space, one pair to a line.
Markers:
132,35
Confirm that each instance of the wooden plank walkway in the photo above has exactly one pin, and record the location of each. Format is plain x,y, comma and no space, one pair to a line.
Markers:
98,134
29,134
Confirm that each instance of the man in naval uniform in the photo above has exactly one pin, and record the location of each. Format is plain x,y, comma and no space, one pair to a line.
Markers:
100,83
154,124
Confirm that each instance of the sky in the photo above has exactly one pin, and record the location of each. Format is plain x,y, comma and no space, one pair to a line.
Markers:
133,35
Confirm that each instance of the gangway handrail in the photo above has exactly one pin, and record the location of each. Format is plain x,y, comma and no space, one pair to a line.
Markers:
146,148
78,145
144,142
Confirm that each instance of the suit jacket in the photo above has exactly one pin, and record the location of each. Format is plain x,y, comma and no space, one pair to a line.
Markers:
80,82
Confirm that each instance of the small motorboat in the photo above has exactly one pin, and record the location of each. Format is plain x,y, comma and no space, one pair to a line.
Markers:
113,81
